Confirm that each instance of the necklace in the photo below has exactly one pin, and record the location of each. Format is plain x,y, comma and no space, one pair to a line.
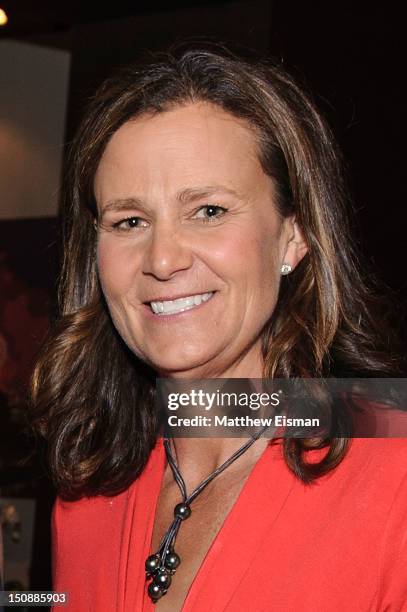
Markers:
161,565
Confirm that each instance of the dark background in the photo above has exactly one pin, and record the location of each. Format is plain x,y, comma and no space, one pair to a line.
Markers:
350,55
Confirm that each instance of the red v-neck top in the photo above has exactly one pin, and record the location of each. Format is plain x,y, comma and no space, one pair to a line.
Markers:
337,545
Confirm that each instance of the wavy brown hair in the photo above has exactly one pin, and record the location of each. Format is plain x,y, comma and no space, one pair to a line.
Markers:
92,399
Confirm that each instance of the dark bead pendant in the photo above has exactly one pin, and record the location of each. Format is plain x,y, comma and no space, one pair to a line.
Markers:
161,575
152,564
155,591
172,560
182,511
163,578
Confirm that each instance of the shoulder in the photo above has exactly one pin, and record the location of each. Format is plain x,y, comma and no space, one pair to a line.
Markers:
87,518
378,458
371,476
374,455
373,467
101,509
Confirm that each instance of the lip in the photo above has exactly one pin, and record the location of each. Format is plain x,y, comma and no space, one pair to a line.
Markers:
165,318
171,298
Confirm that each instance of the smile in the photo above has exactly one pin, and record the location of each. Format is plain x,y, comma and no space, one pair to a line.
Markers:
179,305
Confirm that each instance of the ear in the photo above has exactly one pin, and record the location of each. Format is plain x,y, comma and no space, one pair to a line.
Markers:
295,244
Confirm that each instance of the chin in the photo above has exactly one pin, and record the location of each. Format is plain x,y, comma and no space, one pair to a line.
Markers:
181,367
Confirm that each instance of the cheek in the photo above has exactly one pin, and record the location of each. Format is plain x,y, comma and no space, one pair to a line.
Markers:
249,259
269,258
113,269
264,270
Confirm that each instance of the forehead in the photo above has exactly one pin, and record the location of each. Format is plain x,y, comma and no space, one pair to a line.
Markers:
183,147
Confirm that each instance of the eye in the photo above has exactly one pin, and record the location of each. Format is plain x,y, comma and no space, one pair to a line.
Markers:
129,223
210,212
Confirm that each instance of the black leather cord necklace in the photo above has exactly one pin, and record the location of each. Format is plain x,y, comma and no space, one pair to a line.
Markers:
161,565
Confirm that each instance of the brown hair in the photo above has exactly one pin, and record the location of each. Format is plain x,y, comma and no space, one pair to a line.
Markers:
93,399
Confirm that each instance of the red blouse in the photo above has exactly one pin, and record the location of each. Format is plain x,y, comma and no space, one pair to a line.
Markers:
337,545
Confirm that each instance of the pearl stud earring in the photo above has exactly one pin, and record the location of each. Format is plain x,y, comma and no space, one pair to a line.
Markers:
285,269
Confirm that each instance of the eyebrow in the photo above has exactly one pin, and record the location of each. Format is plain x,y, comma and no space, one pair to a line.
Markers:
188,194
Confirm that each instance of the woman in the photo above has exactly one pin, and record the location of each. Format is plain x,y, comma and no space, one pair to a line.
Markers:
206,237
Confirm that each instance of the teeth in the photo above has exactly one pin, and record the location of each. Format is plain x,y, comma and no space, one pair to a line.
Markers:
173,306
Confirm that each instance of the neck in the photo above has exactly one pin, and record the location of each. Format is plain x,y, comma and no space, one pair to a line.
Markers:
198,457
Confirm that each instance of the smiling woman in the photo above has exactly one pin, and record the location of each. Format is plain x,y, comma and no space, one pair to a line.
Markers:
206,236
200,219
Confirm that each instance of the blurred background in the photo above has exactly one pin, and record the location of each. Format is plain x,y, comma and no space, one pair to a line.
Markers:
52,56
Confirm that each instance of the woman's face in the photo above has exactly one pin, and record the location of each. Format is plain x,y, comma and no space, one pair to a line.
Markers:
186,211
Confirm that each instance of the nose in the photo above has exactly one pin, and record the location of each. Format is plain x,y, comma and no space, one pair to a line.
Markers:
167,252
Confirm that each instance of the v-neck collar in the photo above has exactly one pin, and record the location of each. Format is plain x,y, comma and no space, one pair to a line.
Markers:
256,508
